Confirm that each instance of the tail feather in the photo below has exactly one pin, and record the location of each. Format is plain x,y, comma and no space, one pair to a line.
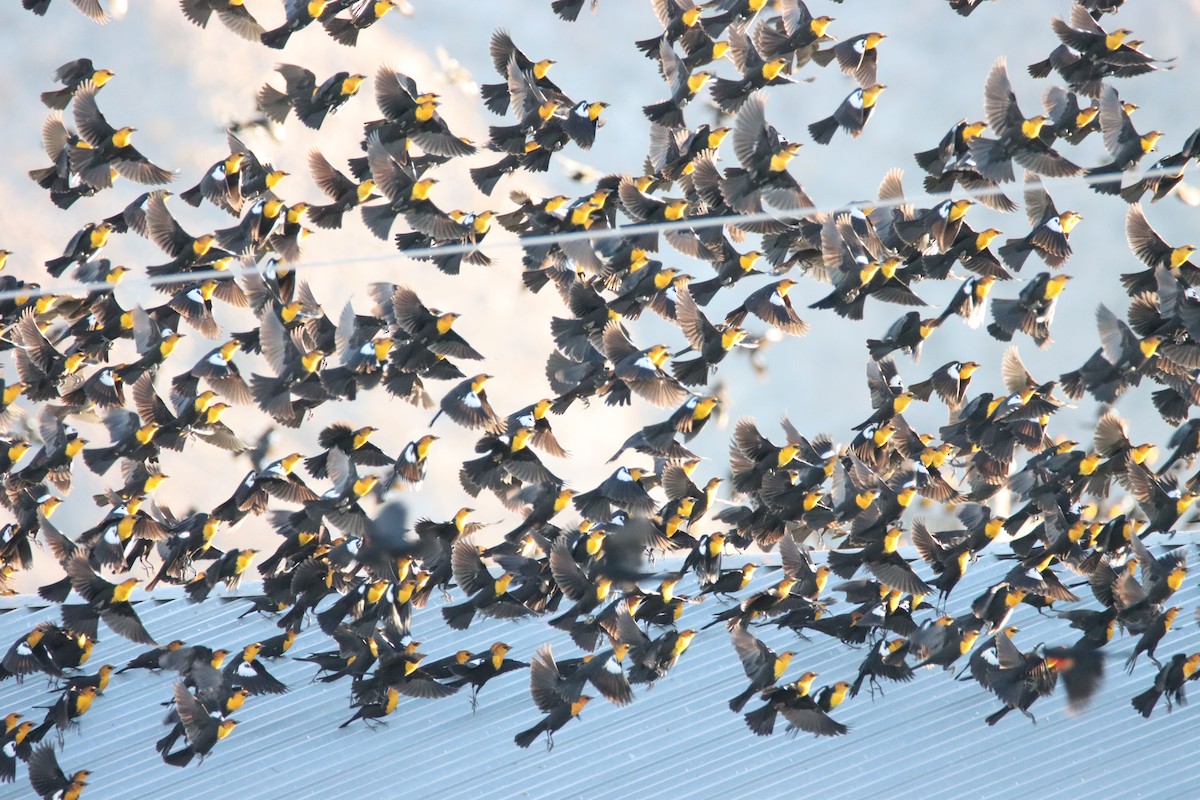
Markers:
528,737
1146,701
1014,253
822,130
276,40
761,721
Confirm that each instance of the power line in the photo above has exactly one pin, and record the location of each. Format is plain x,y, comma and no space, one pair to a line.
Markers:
688,223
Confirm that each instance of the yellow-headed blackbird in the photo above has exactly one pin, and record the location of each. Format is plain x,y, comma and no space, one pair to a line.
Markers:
1017,137
762,665
731,267
1186,443
851,115
345,192
969,301
376,710
201,729
604,670
1165,174
537,505
942,641
152,659
411,463
110,148
479,668
673,151
504,52
677,17
1169,682
232,13
949,381
58,179
403,190
487,595
1019,678
651,659
72,704
907,333
1123,142
709,341
1154,252
110,601
312,103
450,230
766,603
588,593
256,226
951,161
73,75
228,570
544,681
85,245
757,72
47,648
345,30
506,464
684,86
354,443
248,672
658,439
1153,634
1088,54
888,396
801,711
857,56
1050,234
411,114
1119,363
795,35
222,699
764,156
1068,120
13,745
624,489
467,404
48,779
221,185
640,371
296,387
1031,312
300,14
886,660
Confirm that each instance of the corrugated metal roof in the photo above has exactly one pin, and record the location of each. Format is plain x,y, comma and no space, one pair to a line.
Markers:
677,739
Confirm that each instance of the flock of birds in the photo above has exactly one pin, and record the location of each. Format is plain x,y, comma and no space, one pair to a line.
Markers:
587,558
